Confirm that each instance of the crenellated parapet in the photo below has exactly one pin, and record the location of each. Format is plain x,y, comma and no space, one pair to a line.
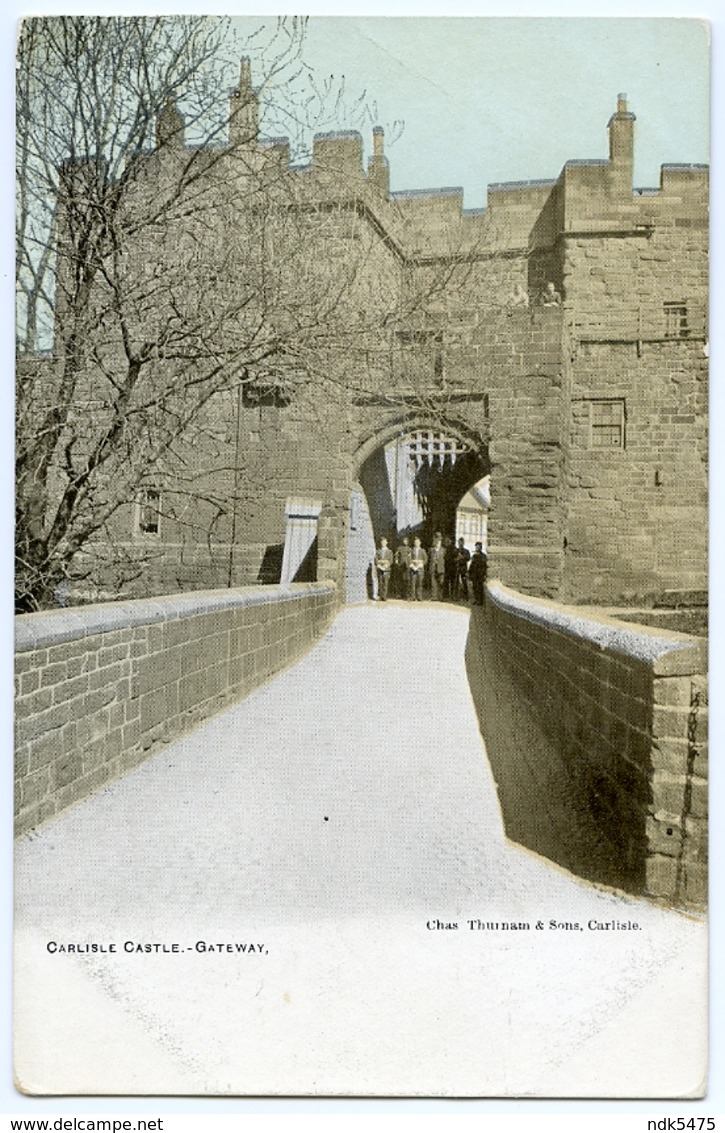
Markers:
623,260
521,218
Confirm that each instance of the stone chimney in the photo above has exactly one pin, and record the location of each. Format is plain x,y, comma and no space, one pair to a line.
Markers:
170,127
244,108
621,145
378,168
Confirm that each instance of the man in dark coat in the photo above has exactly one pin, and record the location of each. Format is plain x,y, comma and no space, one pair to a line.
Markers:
477,570
463,557
437,566
402,568
449,572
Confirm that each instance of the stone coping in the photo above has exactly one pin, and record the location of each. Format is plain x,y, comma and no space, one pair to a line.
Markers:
50,627
413,194
338,135
505,186
586,622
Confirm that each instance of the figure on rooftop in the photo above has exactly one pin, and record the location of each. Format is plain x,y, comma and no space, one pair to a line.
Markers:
550,297
519,296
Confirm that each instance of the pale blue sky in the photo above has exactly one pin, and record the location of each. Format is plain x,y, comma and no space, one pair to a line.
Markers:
487,100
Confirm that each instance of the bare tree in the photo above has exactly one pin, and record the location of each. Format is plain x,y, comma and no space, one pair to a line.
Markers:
181,267
146,263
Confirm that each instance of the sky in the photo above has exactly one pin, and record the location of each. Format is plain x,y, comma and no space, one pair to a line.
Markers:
490,100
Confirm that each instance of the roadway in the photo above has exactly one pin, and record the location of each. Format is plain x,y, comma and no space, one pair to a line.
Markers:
333,819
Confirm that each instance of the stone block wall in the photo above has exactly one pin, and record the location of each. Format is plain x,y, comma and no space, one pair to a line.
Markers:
596,731
616,286
423,334
637,514
99,688
635,272
516,357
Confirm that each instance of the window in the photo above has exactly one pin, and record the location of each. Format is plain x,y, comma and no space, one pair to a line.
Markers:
676,320
265,394
414,337
438,371
606,424
149,512
423,350
266,389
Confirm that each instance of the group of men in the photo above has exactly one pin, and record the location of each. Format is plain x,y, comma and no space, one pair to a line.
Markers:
453,572
548,296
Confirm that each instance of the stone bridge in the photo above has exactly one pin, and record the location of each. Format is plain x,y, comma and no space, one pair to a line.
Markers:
175,769
594,729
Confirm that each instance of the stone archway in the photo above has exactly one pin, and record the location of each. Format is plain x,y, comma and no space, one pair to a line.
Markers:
409,482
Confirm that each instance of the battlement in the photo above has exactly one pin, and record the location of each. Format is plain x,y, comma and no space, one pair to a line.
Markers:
589,195
691,178
340,154
339,135
273,143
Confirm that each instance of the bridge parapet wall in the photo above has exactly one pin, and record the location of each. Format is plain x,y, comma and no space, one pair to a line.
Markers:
597,735
99,688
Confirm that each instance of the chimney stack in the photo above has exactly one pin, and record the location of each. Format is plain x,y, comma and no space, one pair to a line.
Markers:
170,127
378,169
621,146
244,108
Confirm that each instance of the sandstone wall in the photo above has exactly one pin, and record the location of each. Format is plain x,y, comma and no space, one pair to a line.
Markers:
99,688
597,736
637,513
423,335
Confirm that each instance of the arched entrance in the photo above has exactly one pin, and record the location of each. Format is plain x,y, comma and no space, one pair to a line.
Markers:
410,484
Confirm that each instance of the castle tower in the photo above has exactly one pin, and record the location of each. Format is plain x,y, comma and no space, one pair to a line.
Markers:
621,146
378,168
244,108
170,127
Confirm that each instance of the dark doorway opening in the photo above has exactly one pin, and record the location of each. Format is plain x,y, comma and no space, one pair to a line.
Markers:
410,485
413,485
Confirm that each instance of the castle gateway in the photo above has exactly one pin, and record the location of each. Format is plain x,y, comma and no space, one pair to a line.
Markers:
404,354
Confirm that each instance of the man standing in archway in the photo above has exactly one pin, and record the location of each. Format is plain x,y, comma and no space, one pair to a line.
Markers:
477,572
383,566
402,563
449,572
436,560
463,557
418,560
